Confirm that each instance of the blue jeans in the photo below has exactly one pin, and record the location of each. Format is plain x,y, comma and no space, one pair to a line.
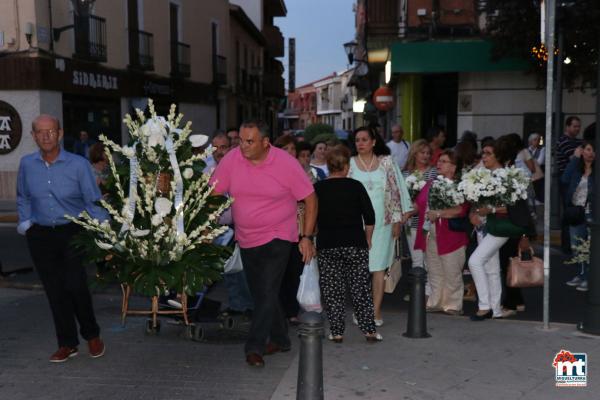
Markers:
579,233
238,293
265,266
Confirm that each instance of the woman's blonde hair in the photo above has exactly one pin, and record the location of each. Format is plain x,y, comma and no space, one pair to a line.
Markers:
338,158
415,149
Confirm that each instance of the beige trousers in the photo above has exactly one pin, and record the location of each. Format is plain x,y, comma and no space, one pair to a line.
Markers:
445,276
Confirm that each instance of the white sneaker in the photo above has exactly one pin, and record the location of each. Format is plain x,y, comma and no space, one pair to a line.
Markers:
378,322
174,304
576,281
583,286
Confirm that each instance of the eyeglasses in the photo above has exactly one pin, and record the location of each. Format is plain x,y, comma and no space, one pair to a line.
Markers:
46,132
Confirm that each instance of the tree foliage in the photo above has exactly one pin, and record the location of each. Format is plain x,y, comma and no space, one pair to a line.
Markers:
314,130
515,30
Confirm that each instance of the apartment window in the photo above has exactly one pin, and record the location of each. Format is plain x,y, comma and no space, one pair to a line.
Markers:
141,44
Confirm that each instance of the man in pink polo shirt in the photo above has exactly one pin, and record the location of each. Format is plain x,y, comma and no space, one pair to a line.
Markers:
266,183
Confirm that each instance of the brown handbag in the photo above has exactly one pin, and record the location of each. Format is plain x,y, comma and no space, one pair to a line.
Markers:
394,272
525,273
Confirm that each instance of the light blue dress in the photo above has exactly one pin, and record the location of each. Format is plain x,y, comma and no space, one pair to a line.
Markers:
381,254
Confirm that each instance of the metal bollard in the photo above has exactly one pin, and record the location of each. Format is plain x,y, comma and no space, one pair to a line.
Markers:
417,316
310,365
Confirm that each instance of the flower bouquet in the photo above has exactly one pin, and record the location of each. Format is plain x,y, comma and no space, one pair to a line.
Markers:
415,182
501,187
581,252
163,217
444,194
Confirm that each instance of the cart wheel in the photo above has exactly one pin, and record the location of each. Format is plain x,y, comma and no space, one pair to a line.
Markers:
151,330
228,322
196,333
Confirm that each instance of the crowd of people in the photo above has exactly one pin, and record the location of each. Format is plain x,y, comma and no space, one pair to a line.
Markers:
348,204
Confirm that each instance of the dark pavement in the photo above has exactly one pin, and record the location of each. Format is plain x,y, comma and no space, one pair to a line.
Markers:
135,366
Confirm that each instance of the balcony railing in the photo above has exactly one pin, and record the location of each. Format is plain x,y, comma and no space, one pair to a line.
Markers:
180,60
90,38
141,50
219,70
275,42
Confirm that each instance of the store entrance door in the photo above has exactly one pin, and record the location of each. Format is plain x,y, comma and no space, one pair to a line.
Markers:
440,104
94,115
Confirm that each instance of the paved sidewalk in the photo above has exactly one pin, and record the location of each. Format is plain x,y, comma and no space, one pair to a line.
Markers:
136,366
462,360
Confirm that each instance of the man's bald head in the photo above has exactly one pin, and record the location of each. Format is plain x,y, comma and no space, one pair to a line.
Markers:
45,118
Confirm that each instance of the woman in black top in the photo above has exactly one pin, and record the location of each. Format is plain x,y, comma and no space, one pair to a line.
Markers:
345,227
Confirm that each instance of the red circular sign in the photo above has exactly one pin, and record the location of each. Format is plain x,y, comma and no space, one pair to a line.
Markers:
383,98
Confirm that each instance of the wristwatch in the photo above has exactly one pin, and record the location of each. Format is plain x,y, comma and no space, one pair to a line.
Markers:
309,237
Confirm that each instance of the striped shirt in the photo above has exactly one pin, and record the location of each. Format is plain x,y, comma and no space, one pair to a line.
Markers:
429,174
565,147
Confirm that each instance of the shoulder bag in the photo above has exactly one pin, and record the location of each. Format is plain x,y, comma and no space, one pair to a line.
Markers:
394,272
524,271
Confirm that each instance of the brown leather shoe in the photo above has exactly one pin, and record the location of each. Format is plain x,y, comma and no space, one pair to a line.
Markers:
96,347
255,360
273,348
63,354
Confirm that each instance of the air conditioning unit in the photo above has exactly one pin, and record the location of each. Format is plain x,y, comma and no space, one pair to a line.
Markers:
421,12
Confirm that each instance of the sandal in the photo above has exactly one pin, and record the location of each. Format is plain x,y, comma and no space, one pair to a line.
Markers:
336,338
374,338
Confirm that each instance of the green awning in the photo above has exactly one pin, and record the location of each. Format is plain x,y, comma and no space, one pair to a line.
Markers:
449,56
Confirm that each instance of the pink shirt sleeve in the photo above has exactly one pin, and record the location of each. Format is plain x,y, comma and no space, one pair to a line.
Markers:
222,175
300,185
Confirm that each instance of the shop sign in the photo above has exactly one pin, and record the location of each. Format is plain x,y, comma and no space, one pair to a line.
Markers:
95,80
11,128
151,88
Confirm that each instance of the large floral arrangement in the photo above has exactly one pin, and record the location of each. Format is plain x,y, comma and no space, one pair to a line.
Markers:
163,216
501,187
444,194
415,182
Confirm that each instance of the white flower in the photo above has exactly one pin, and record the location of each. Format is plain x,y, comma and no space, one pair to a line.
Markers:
188,173
140,232
157,219
198,140
154,130
163,206
128,151
103,246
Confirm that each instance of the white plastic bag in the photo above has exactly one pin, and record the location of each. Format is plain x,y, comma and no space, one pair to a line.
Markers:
234,264
309,292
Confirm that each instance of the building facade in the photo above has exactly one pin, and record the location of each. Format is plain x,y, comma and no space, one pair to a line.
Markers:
442,73
90,62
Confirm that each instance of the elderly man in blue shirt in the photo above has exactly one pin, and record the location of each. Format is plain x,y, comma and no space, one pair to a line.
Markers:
53,183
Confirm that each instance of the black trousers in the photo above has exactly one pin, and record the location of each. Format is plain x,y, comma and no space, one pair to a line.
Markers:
291,281
265,266
65,282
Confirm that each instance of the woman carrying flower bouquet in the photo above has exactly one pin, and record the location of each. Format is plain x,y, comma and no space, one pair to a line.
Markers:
418,172
444,248
376,170
484,263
